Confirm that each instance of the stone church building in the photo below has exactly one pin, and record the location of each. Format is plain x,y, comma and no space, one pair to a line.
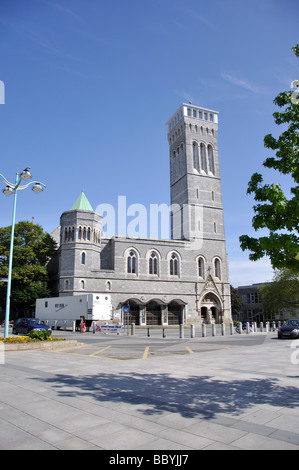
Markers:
180,280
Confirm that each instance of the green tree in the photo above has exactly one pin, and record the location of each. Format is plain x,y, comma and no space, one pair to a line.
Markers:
281,295
274,211
236,301
33,248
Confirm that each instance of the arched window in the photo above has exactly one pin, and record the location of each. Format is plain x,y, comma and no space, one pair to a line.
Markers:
79,233
203,157
174,265
201,267
132,262
88,234
83,257
211,159
217,268
195,156
153,263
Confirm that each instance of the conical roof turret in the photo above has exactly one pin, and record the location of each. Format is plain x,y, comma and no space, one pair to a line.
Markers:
82,204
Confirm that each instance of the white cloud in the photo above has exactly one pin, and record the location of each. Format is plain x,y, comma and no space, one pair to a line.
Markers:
241,82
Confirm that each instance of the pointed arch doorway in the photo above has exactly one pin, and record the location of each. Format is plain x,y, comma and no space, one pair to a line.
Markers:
210,308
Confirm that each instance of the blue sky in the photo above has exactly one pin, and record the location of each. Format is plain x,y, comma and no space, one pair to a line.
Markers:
90,85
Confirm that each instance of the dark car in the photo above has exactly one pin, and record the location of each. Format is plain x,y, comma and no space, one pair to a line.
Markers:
290,329
26,325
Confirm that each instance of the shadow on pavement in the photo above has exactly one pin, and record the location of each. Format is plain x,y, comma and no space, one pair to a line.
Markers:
194,396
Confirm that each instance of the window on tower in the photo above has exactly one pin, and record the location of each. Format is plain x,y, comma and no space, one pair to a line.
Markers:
211,159
195,156
203,157
217,268
201,267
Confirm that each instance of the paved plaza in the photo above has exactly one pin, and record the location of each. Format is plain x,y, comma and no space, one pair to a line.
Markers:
151,393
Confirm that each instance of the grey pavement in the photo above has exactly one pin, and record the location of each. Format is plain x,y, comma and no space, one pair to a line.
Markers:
241,395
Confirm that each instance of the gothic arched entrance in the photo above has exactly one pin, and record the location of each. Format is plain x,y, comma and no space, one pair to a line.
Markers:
210,308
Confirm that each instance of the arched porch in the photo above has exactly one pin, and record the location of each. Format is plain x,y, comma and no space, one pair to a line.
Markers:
211,310
153,312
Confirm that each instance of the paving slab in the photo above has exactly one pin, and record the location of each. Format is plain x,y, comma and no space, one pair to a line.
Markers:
238,396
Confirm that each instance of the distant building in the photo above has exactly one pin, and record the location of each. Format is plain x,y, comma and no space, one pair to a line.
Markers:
184,279
252,307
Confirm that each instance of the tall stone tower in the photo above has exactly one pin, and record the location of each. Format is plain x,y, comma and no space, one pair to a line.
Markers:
196,196
80,247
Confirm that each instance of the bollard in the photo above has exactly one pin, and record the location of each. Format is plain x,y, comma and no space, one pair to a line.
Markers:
267,327
261,327
240,328
55,324
192,331
231,328
254,327
204,331
163,333
213,329
247,328
181,331
73,326
148,333
223,329
133,329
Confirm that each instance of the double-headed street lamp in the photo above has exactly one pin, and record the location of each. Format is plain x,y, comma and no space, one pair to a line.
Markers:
8,191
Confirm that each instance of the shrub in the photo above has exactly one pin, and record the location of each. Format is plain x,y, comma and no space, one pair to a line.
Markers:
41,335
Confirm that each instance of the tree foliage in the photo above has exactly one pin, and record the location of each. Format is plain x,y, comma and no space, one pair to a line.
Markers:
274,210
281,295
33,248
236,301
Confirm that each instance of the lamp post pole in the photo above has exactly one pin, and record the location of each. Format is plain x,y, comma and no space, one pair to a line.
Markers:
9,190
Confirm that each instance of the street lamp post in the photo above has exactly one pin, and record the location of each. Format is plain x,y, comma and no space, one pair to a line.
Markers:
8,191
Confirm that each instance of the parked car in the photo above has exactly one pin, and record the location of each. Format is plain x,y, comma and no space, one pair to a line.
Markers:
290,329
25,325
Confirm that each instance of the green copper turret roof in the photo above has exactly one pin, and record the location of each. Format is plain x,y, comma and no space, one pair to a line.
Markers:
82,204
